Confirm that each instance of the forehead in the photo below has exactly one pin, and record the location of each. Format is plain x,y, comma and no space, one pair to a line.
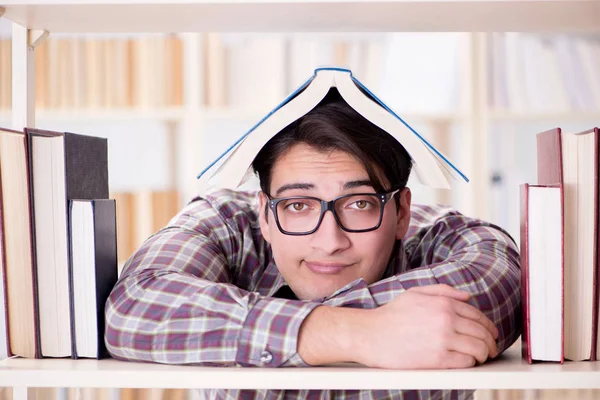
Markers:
304,161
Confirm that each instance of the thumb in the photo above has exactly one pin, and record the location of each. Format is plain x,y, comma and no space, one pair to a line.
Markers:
442,290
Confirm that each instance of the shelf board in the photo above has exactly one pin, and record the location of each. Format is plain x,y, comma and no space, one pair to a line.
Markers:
559,117
509,371
177,113
104,114
305,16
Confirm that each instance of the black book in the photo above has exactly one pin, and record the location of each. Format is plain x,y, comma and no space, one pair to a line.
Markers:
62,167
93,246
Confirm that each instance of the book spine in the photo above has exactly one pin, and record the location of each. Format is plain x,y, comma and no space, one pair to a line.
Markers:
71,288
106,268
524,228
562,281
28,142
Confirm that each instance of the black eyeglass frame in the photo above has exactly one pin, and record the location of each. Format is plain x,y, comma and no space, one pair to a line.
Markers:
329,206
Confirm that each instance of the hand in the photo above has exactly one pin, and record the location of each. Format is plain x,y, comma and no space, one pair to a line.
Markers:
426,327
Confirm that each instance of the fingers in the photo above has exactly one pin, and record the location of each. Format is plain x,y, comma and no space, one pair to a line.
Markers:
468,311
473,329
458,360
442,290
470,346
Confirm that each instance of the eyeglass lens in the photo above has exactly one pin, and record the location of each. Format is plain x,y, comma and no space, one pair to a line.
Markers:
354,212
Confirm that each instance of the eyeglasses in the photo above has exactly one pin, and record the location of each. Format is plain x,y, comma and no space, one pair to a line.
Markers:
356,212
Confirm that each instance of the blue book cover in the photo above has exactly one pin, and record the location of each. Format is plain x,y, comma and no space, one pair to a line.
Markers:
447,165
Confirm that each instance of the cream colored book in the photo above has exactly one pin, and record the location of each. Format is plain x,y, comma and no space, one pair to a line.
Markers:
215,65
233,168
20,279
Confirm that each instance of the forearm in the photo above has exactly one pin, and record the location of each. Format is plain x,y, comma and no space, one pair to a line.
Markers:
179,319
331,335
487,267
174,303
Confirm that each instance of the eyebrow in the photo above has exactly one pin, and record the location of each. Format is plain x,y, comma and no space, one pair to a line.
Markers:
310,186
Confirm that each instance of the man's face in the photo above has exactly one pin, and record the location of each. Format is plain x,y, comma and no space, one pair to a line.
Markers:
318,264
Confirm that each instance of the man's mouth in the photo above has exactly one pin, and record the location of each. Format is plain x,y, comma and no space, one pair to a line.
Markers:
326,268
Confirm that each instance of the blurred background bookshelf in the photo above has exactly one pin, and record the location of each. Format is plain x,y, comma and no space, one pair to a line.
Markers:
170,103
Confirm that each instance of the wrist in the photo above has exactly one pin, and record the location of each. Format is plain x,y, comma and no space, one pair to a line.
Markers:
333,334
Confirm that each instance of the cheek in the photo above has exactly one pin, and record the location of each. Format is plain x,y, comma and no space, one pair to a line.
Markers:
376,247
286,249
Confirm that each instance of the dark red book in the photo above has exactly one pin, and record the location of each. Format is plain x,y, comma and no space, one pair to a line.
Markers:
572,160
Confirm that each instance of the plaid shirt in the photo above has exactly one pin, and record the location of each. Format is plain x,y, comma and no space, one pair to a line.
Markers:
205,290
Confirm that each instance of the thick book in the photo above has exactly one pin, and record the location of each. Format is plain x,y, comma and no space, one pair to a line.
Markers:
62,166
542,272
22,318
233,167
572,160
93,246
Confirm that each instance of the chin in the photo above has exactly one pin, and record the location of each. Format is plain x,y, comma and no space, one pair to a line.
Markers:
321,292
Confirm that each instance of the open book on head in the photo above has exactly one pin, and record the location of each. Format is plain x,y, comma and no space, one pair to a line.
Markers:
234,167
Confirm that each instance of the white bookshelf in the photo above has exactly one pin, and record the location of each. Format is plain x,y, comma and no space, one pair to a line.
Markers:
509,371
305,16
32,18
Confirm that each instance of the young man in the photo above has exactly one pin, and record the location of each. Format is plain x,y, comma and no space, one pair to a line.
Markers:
328,263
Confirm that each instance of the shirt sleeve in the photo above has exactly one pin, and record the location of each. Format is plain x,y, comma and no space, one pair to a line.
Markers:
468,254
178,302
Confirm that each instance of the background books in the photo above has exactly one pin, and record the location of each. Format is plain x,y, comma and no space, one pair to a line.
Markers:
544,73
139,215
184,110
95,72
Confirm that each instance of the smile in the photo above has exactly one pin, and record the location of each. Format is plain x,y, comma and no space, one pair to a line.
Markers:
326,268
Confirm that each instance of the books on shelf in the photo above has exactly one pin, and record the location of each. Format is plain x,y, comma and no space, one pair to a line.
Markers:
62,166
544,73
93,245
41,172
140,214
567,164
81,71
233,168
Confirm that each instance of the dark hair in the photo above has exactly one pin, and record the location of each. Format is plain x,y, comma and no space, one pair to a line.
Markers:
334,125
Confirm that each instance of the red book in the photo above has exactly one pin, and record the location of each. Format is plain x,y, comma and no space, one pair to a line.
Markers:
549,157
572,160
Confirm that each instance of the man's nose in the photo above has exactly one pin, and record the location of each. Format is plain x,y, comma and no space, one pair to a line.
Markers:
330,237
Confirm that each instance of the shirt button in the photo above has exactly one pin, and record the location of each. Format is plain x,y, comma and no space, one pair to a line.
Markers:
266,357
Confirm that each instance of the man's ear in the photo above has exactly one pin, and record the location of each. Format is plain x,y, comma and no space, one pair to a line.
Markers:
403,222
264,225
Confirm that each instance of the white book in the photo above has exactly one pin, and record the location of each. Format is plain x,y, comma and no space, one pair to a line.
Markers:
499,78
591,65
542,271
533,73
51,244
234,167
517,98
264,57
552,88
